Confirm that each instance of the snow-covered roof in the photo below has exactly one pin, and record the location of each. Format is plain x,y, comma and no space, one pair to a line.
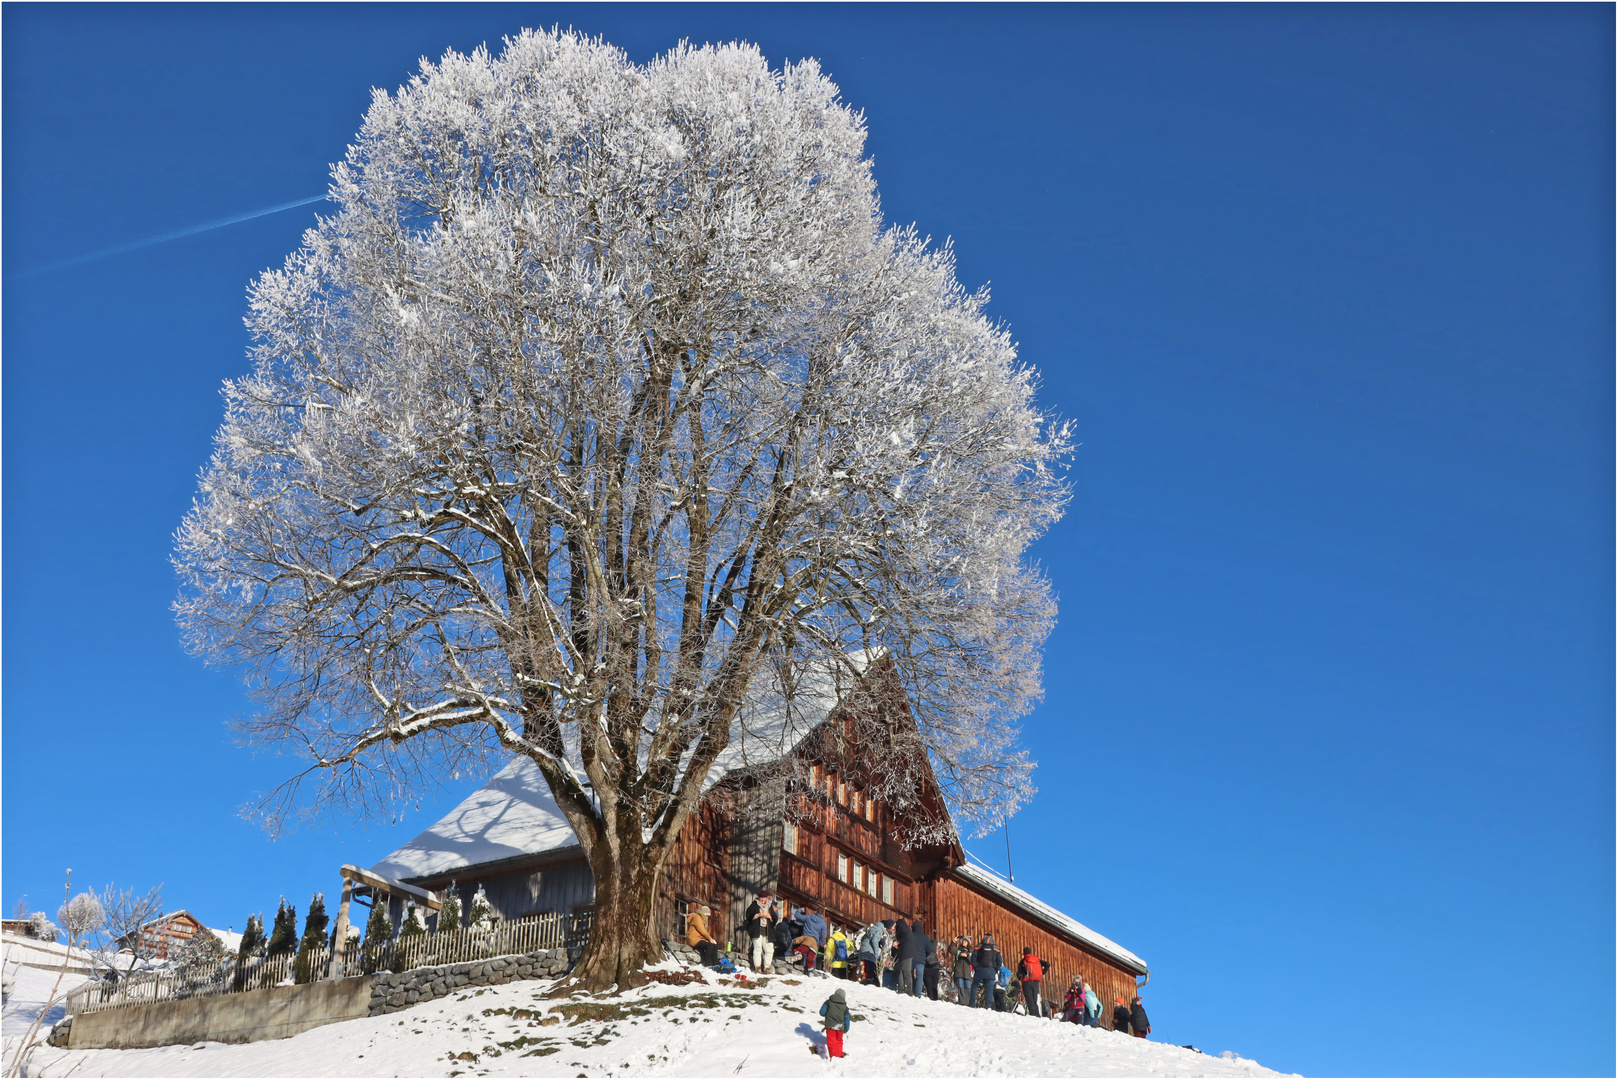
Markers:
514,814
230,939
1034,906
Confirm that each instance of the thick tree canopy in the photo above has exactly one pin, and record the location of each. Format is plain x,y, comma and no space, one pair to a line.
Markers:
603,390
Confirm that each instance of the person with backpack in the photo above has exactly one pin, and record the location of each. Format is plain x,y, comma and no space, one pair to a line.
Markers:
762,915
890,964
787,928
1030,970
1005,991
1141,1026
960,957
838,954
1092,1006
985,971
838,1018
1120,1016
1073,1003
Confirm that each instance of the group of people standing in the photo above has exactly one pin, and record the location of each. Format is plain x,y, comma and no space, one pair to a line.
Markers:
903,955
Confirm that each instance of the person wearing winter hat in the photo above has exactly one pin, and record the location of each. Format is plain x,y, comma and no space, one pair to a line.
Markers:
1137,1020
699,937
835,1010
1120,1016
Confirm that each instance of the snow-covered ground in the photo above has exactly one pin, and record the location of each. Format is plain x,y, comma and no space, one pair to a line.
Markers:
716,1027
31,988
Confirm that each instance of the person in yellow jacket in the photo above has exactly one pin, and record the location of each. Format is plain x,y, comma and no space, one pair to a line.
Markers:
698,937
839,943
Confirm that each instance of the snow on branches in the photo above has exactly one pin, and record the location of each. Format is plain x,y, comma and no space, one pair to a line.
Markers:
603,387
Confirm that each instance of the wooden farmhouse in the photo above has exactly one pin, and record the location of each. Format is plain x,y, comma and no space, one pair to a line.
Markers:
816,838
165,932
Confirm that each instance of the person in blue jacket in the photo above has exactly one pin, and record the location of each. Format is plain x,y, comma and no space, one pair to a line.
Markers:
814,924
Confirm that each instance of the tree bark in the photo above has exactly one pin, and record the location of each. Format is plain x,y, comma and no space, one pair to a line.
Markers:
622,940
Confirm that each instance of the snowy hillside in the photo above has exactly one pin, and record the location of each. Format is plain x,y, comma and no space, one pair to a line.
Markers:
711,1028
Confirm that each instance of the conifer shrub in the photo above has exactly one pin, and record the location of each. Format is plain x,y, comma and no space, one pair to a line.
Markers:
378,929
314,933
284,934
449,916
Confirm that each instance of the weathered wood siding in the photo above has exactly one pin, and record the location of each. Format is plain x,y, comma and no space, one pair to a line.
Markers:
756,829
957,907
698,871
833,821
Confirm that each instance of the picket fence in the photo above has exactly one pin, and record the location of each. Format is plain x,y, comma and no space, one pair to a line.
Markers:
526,935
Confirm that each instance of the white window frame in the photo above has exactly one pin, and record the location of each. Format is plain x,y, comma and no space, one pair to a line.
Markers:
859,878
887,891
842,868
789,839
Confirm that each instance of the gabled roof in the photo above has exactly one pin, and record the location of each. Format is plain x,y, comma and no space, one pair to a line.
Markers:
514,815
1042,911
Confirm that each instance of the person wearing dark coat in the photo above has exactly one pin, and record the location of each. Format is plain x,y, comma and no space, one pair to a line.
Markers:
762,915
960,954
986,966
1138,1021
1120,1016
934,967
786,931
904,937
920,946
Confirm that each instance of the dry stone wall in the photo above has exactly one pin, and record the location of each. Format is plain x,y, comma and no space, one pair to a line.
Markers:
392,991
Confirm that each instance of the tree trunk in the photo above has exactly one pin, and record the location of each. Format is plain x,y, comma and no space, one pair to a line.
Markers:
622,941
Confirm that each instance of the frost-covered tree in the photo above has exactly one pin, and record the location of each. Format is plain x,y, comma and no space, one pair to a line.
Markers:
413,924
449,916
602,390
284,932
122,945
481,915
41,927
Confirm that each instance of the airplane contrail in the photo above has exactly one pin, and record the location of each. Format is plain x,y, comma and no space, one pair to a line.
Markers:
136,245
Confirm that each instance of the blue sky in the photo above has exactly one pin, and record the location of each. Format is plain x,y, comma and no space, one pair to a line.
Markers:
1328,731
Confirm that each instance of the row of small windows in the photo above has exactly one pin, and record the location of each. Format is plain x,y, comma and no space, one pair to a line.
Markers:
842,793
849,872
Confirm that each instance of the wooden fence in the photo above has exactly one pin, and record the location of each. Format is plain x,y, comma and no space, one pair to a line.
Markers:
547,931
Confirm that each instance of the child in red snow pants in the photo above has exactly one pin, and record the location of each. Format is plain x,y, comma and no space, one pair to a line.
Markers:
834,1043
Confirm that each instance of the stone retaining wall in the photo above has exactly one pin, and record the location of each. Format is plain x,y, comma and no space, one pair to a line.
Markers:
687,955
392,991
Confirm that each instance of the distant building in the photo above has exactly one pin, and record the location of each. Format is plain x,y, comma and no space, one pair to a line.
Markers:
163,933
